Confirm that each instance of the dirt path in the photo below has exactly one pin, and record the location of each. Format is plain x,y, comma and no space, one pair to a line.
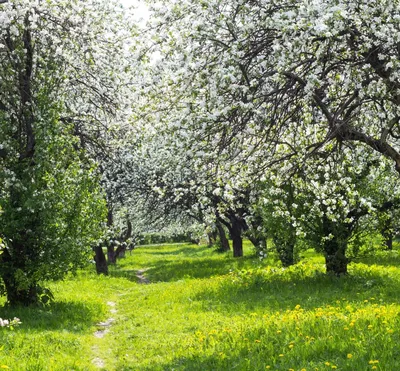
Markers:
103,328
141,277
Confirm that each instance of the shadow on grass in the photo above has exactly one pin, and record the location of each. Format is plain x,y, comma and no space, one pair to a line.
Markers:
257,290
167,271
384,258
187,250
118,271
69,316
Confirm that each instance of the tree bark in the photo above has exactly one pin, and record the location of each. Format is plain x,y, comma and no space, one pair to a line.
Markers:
258,242
335,248
111,256
100,259
222,237
387,234
236,235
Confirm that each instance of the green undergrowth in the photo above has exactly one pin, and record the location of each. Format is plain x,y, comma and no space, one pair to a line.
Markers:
204,310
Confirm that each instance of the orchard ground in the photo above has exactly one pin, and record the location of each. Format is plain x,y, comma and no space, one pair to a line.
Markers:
195,309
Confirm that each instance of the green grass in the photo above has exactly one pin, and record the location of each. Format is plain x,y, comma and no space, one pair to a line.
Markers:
207,311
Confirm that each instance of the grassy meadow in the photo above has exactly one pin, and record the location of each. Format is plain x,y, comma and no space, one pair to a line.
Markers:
203,310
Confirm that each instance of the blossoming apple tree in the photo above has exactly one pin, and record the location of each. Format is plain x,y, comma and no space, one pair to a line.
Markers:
62,81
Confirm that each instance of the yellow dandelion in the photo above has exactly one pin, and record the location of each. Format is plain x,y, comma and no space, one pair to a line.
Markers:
334,367
257,341
291,346
279,332
349,356
281,355
297,307
267,367
327,364
373,361
374,368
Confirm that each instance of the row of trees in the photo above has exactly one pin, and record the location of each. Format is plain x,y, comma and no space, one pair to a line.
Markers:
278,120
64,78
263,120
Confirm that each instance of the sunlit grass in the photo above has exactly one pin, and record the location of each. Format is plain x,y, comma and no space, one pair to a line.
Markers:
208,311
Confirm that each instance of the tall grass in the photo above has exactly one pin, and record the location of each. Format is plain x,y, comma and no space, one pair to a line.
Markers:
207,311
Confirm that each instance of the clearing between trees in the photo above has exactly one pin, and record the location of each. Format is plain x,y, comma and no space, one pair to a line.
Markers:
186,307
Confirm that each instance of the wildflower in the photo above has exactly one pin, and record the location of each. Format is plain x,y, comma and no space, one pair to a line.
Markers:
281,355
349,356
372,361
327,364
334,367
257,341
291,346
369,327
279,332
374,368
297,307
267,367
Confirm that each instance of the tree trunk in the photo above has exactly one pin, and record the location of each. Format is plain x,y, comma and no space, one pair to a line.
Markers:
111,255
237,240
335,248
222,237
15,296
212,238
120,252
100,259
389,242
285,249
387,234
335,257
20,290
260,243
